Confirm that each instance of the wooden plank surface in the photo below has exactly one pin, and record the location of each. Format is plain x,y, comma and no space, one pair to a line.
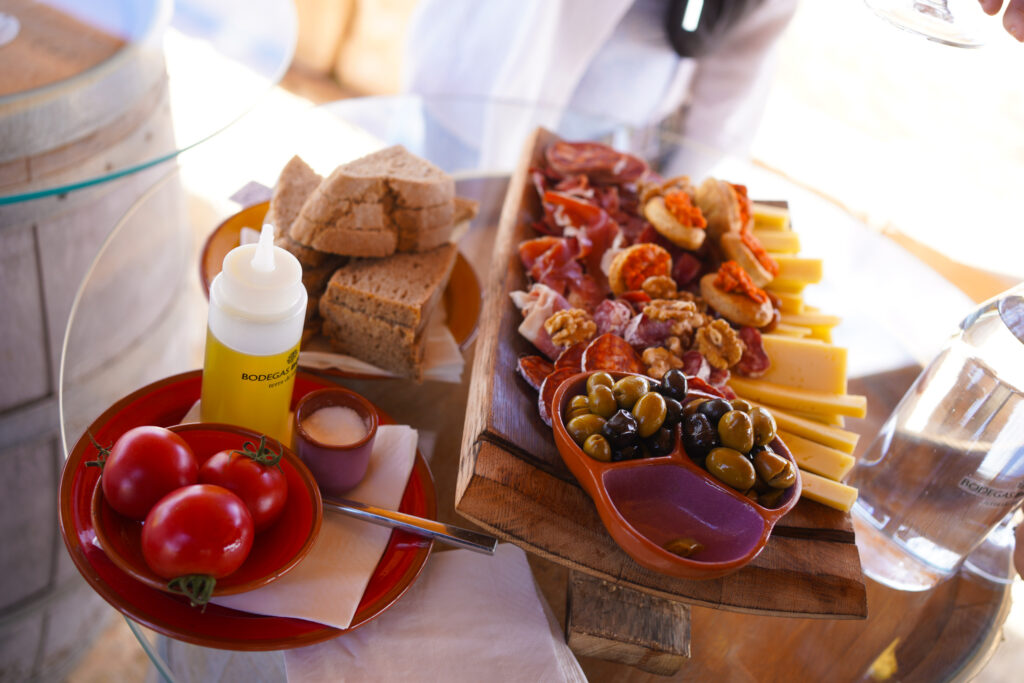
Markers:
512,480
611,622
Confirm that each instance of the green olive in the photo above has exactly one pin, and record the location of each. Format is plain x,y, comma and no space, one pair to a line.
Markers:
576,413
684,547
741,405
628,390
581,427
578,402
599,379
777,471
596,446
730,467
763,423
602,401
650,413
735,431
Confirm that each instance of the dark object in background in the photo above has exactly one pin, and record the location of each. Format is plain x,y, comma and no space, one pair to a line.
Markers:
696,27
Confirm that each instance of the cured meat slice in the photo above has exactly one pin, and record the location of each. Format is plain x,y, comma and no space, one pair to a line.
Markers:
685,269
601,163
534,369
696,365
612,352
546,397
612,316
755,361
700,385
642,332
572,357
537,306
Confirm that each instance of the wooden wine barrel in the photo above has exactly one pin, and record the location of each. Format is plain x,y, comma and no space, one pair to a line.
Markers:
78,99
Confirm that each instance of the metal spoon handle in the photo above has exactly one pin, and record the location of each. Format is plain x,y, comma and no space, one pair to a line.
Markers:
444,533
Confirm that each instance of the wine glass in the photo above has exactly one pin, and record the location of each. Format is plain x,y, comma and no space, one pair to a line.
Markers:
945,21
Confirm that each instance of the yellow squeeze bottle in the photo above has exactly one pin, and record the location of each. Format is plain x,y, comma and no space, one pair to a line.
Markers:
257,309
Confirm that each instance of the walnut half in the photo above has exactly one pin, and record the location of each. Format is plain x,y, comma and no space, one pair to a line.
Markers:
570,326
720,344
659,360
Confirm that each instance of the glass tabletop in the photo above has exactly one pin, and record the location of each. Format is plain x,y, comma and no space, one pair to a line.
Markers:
140,313
116,86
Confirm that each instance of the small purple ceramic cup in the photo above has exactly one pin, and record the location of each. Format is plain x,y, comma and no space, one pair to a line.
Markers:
336,467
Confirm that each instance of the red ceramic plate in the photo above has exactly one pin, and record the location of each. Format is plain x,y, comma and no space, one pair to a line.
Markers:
275,550
164,403
461,297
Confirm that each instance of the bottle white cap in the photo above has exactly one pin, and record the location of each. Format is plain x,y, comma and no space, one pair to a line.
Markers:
259,281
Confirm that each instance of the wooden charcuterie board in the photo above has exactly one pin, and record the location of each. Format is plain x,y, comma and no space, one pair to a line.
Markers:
512,480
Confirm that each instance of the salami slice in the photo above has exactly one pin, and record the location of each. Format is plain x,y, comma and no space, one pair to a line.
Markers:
611,352
642,332
612,316
534,369
754,362
546,398
601,163
696,365
700,385
572,357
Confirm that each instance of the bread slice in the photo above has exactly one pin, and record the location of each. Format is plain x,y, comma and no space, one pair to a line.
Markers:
373,340
402,289
363,207
377,309
295,184
424,239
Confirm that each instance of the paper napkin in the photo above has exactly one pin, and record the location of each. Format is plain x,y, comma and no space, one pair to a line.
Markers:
470,617
328,584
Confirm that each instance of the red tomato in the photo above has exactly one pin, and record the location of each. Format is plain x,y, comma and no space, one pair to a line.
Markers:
145,464
255,476
197,529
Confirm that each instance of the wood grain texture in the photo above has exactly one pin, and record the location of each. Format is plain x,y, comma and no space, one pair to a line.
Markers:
512,480
612,622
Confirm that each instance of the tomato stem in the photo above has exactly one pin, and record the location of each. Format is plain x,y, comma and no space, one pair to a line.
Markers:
198,588
101,453
262,454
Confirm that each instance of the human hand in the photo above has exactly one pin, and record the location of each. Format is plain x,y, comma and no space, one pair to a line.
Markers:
1013,17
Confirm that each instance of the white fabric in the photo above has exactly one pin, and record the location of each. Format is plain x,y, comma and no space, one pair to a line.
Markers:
601,57
469,618
328,584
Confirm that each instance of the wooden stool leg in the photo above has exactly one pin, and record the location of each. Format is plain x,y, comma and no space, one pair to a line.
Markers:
623,625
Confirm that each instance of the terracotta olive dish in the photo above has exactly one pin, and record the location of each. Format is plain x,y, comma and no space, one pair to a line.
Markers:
653,502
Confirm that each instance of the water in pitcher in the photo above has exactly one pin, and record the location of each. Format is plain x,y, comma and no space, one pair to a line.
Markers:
949,463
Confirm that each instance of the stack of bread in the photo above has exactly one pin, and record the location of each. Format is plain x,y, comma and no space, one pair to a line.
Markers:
373,239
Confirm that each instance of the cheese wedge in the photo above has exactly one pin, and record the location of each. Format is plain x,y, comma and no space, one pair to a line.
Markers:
807,270
790,303
810,319
785,330
840,439
768,217
813,457
778,241
805,364
834,420
828,492
804,400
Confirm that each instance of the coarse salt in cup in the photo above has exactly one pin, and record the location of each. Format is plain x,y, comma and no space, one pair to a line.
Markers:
334,433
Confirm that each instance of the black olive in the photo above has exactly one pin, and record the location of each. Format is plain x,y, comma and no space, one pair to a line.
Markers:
661,442
714,409
631,452
699,436
673,384
673,412
621,430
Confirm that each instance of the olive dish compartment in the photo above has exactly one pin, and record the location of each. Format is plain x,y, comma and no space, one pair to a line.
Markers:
648,502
